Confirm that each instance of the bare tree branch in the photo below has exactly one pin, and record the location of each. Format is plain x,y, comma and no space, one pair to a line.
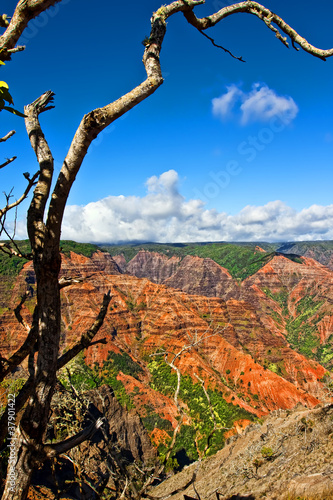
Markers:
20,401
221,47
7,136
43,153
8,207
68,281
265,15
52,450
8,250
17,311
27,347
24,12
97,120
8,161
87,337
7,365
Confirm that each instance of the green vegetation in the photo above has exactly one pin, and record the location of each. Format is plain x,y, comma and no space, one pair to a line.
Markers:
84,378
282,299
302,330
11,266
164,380
322,251
153,421
240,259
86,249
325,353
267,452
11,386
122,362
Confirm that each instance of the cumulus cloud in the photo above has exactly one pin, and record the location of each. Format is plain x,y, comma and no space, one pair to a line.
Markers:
261,104
223,105
164,215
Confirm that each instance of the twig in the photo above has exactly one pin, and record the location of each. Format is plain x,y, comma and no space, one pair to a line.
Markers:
221,47
7,136
8,161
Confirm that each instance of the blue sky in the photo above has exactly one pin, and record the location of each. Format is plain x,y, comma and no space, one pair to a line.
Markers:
224,150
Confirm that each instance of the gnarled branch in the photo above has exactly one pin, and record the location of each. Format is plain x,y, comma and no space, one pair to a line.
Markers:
52,450
24,12
36,226
265,15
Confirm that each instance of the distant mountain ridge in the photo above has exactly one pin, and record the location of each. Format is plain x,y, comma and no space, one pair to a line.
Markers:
240,259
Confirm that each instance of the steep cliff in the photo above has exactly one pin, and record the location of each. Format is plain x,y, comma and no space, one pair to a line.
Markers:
292,296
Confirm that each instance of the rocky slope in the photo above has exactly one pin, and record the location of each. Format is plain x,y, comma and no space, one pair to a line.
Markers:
288,457
321,251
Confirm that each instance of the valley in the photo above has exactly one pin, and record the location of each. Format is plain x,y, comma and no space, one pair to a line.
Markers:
250,337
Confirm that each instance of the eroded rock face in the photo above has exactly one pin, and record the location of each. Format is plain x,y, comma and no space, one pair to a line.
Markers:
278,293
144,317
125,428
157,267
83,266
314,486
240,344
204,277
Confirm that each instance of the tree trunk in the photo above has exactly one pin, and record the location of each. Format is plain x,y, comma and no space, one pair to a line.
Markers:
27,451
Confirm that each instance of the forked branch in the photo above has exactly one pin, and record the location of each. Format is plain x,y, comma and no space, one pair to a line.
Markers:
52,450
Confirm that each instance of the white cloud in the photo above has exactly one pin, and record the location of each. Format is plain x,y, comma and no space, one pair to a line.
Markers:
222,106
261,104
163,215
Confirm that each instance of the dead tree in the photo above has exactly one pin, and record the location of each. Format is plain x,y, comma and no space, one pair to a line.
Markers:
46,210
